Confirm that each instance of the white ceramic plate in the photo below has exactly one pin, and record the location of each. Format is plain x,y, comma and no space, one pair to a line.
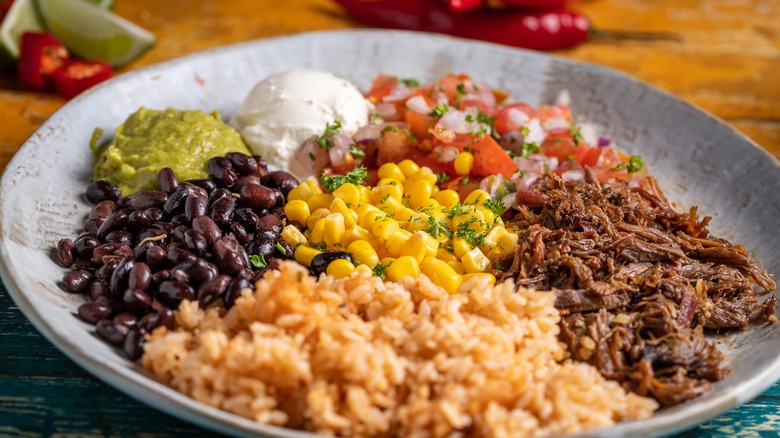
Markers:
697,158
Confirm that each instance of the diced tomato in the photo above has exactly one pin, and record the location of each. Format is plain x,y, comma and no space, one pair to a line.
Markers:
381,87
489,157
609,165
504,119
76,76
546,112
450,85
587,155
420,124
40,56
560,146
476,103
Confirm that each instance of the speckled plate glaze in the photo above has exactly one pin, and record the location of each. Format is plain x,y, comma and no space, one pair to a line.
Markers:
697,158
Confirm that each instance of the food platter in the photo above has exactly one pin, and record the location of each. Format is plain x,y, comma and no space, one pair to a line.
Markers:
697,159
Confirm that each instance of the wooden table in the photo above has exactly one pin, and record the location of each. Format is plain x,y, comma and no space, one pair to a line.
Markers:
728,62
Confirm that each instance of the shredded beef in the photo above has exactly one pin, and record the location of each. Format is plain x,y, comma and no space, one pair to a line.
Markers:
637,283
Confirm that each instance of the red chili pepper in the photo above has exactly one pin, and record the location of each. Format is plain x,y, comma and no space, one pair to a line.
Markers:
472,5
40,56
549,30
76,76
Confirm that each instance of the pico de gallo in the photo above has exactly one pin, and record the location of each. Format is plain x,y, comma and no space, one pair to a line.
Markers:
472,136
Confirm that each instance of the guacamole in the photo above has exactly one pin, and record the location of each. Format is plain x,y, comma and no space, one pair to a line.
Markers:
150,140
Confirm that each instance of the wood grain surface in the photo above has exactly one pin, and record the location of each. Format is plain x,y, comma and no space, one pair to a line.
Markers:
727,61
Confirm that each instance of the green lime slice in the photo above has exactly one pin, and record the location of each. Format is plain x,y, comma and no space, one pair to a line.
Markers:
94,33
20,18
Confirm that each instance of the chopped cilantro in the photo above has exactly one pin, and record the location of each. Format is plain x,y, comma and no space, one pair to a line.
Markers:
356,152
281,248
354,176
469,234
442,178
497,207
384,198
320,246
526,149
389,128
325,141
438,227
312,157
461,89
576,135
409,82
525,131
470,118
439,110
490,121
411,135
635,164
464,180
379,270
258,261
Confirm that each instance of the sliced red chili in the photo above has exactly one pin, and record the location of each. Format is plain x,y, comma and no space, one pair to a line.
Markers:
40,56
76,76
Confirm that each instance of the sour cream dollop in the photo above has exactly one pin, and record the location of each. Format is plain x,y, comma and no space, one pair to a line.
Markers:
284,110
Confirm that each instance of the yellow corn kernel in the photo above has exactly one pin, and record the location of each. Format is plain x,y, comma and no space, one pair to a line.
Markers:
404,214
363,252
425,174
340,268
319,200
488,215
464,162
315,216
460,247
396,241
419,192
380,192
339,206
354,233
443,254
475,261
365,194
431,245
506,243
491,238
490,277
387,261
402,267
370,219
429,205
349,193
364,211
475,220
408,168
318,231
457,267
477,197
418,222
391,170
297,210
447,198
314,186
416,246
384,227
391,205
364,270
304,254
333,229
300,192
292,235
441,274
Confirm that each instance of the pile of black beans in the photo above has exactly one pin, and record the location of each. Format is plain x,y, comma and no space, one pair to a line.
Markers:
139,256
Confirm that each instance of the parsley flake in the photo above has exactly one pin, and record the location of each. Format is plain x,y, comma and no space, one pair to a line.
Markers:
497,207
354,176
437,228
325,141
379,270
409,82
356,152
281,248
442,178
258,261
439,110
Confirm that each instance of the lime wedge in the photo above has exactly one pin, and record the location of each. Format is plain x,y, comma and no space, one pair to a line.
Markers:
94,33
20,18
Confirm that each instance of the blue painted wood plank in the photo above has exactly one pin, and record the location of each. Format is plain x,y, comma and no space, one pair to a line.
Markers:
43,393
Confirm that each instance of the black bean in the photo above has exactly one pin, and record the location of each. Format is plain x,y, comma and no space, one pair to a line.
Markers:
111,331
226,255
180,219
65,252
118,281
242,163
179,255
279,198
240,233
262,165
101,190
262,247
210,291
77,281
97,289
120,236
93,312
153,235
177,199
208,228
140,276
104,272
102,209
136,300
278,212
206,184
222,211
156,257
107,250
271,223
178,233
257,197
234,290
116,221
148,199
133,346
82,265
166,180
248,218
320,262
160,276
283,181
286,252
221,171
165,227
162,316
194,272
138,220
127,318
155,214
197,204
195,242
93,224
85,245
219,194
245,180
172,292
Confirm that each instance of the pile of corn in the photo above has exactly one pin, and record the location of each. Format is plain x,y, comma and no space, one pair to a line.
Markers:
403,226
